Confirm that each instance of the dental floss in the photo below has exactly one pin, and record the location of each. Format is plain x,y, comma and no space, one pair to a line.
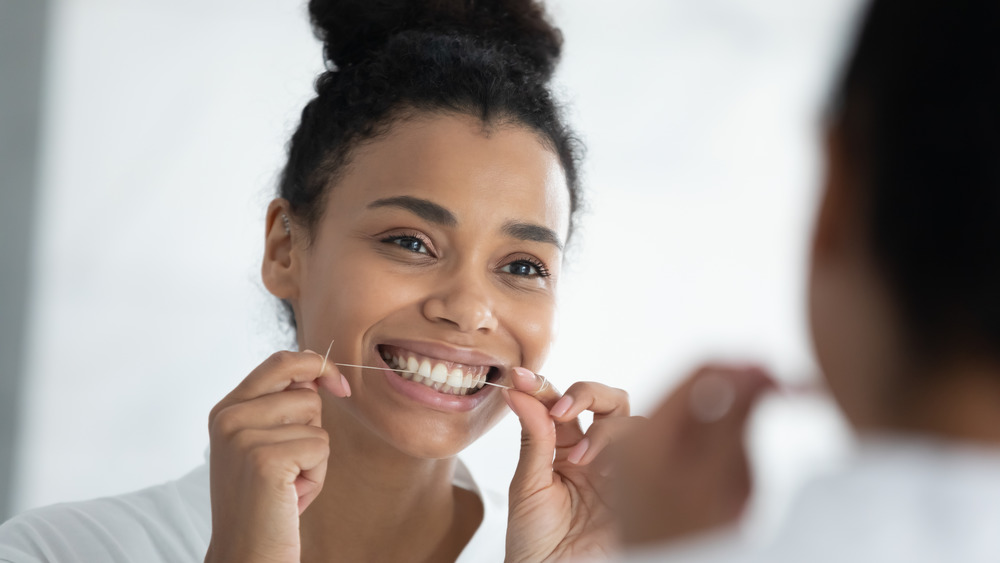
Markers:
325,357
545,382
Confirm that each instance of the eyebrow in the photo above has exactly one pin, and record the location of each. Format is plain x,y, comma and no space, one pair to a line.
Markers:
430,211
425,209
532,232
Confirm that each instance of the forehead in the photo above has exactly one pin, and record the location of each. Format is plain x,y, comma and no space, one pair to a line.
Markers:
482,174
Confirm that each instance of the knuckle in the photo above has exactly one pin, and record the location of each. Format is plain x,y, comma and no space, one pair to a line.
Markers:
305,402
224,423
281,358
261,460
580,389
212,415
313,404
242,440
319,434
321,443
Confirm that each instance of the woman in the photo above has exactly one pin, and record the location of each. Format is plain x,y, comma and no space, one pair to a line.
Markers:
904,315
428,195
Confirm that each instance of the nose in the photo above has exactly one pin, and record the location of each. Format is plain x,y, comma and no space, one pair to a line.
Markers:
464,301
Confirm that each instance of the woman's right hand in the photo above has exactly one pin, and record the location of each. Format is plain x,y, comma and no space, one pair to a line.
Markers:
268,457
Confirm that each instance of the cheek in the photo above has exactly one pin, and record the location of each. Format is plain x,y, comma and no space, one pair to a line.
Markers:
343,302
533,326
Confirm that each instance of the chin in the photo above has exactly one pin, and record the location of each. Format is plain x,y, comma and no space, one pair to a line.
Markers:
433,439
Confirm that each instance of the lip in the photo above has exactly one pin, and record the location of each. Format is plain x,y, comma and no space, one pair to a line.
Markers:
428,397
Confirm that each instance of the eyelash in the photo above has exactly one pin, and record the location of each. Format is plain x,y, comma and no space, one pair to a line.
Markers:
543,272
394,239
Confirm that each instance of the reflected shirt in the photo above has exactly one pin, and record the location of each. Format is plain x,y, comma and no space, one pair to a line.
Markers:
172,523
899,499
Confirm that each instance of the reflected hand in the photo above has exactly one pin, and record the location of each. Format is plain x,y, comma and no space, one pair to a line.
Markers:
686,471
268,457
558,504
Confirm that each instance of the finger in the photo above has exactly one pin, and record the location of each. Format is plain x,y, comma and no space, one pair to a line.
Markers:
538,444
602,400
248,439
600,435
568,432
283,369
535,385
710,393
296,406
286,461
309,484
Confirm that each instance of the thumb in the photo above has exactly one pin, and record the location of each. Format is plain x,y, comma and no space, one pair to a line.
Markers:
538,443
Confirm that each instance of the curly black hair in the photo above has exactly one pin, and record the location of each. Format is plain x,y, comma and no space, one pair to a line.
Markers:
389,60
919,112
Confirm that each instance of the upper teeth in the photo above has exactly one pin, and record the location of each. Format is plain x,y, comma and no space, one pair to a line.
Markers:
460,380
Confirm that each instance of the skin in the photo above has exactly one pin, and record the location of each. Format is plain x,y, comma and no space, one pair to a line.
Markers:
699,480
437,233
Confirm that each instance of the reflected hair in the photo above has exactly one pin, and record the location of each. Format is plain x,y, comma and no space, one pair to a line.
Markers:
919,117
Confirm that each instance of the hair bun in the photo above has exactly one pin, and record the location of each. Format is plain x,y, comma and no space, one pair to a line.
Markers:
351,30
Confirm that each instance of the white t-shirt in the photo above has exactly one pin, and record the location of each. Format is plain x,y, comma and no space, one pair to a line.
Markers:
899,500
173,523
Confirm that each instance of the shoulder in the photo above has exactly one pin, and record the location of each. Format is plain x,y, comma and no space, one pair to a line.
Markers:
168,522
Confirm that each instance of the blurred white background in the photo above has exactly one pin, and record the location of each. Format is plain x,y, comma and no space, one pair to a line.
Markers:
164,124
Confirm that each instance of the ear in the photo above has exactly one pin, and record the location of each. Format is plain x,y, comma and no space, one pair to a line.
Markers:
837,220
280,269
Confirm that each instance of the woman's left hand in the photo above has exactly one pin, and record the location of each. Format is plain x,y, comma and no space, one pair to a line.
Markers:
558,504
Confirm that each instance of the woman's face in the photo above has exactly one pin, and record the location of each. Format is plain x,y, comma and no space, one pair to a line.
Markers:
438,251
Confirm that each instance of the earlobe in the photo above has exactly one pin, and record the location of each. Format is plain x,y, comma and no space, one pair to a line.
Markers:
279,270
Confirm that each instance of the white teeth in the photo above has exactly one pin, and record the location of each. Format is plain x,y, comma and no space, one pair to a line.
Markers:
461,380
439,373
456,377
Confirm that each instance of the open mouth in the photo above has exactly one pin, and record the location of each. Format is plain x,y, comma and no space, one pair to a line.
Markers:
441,375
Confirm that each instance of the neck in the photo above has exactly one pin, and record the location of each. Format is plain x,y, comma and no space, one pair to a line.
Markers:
961,402
373,492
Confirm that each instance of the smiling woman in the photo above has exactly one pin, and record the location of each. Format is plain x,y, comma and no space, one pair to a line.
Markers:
429,192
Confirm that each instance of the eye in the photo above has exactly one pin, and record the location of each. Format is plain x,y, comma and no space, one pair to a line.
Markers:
526,269
411,243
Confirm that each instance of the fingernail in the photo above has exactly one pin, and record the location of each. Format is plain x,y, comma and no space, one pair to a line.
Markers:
711,398
561,406
525,374
347,386
578,451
